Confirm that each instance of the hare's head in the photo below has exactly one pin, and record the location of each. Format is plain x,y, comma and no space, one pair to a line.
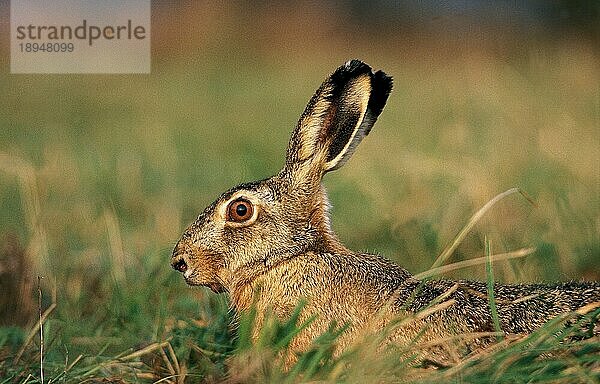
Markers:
255,226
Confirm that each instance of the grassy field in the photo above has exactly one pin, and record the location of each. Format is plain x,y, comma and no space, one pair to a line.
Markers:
99,175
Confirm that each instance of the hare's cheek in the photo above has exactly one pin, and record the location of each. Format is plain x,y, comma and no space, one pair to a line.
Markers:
201,268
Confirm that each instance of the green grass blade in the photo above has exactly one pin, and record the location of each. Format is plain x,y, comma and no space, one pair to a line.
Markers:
490,287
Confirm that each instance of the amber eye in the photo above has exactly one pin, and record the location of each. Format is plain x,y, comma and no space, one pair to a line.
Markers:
239,211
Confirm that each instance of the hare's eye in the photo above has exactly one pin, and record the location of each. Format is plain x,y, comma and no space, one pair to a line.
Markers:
239,211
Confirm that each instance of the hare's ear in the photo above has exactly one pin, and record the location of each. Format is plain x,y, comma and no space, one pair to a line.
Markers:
336,119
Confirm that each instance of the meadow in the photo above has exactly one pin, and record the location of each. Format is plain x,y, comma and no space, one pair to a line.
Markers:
99,176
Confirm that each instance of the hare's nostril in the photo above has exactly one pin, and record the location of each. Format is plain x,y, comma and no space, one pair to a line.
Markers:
180,265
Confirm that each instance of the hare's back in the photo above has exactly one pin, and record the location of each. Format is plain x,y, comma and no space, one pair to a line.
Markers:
521,308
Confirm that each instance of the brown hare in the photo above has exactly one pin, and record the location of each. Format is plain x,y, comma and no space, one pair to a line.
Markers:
269,243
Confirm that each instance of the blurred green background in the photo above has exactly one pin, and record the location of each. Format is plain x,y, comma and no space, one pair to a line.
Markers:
99,174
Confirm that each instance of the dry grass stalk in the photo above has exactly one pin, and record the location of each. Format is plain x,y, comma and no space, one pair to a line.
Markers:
473,262
447,252
35,329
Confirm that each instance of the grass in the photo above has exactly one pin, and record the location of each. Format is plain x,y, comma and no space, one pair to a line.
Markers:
100,174
198,352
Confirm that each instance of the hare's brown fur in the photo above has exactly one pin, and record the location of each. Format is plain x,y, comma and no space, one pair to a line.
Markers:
279,249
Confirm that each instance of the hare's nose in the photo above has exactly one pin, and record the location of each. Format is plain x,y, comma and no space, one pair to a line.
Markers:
179,265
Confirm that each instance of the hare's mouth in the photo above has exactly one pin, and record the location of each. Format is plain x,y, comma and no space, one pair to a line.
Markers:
213,286
186,262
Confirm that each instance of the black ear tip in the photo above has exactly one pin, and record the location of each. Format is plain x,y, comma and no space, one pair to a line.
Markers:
382,86
355,66
381,83
350,70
